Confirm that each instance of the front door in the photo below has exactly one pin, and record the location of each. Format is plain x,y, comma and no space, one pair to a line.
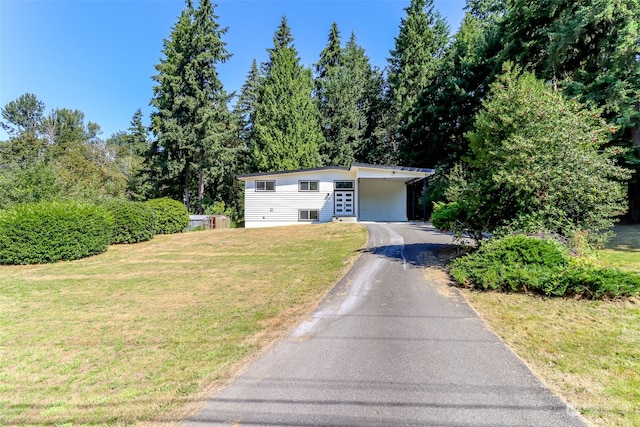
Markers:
343,203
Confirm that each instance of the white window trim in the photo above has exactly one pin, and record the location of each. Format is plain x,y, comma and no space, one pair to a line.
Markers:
308,211
265,181
309,186
353,185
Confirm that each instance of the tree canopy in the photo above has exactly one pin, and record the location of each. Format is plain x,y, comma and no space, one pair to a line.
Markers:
537,163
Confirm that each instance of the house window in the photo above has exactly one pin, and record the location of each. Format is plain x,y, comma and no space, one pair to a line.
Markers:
307,185
308,215
343,185
265,186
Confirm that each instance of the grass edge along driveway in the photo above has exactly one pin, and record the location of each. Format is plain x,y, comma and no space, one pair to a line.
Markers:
140,332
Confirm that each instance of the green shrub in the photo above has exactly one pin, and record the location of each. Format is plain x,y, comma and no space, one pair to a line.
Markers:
133,221
527,264
45,232
446,216
511,264
171,216
598,283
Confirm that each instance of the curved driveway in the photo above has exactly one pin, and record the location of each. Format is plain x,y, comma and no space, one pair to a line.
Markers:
389,346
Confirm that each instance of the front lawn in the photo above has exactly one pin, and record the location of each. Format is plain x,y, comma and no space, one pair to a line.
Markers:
138,333
623,251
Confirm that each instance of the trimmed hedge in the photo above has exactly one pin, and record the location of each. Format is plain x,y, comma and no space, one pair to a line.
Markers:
45,232
133,221
527,264
171,216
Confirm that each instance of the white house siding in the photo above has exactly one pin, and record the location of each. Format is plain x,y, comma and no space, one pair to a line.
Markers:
382,200
280,207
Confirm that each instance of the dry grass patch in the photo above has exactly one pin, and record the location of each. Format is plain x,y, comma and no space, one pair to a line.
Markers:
130,335
588,352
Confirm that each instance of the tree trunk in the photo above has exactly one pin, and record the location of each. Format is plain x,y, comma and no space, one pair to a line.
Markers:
187,195
200,191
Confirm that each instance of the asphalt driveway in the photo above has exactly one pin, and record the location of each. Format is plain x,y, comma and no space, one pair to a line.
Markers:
390,346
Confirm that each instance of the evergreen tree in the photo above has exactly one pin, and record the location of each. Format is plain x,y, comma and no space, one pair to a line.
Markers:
196,135
330,57
22,120
248,100
340,92
286,129
379,144
413,65
245,109
446,108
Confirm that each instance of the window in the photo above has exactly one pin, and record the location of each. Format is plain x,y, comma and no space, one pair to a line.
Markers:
343,185
308,215
265,186
307,185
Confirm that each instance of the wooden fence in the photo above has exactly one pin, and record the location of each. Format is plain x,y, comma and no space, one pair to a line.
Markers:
208,222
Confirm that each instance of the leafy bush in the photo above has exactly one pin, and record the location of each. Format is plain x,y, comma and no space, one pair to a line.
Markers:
220,208
539,162
45,232
527,264
29,183
171,216
133,221
446,216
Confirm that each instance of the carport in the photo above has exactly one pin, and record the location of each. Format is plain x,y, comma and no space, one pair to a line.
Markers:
390,194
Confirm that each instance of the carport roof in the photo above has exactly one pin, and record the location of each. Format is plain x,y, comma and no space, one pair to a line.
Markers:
412,172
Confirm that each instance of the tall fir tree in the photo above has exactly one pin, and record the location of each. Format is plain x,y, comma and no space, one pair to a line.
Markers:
286,130
196,133
346,91
335,96
330,57
245,110
413,65
446,108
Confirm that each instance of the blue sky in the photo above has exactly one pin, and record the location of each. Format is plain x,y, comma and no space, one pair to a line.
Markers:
98,56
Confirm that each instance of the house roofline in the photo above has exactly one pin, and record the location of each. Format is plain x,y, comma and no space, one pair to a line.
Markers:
340,168
251,175
397,168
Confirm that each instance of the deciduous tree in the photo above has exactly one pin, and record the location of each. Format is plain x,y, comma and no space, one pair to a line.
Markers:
537,163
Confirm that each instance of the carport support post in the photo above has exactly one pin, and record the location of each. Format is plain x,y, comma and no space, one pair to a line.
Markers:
413,201
424,198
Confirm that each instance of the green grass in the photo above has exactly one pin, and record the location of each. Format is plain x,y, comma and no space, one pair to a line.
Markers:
588,352
623,251
138,333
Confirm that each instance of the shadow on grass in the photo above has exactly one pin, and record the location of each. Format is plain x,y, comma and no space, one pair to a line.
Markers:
626,239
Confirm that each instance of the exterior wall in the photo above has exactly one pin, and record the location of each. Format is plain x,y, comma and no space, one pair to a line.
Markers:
280,207
382,200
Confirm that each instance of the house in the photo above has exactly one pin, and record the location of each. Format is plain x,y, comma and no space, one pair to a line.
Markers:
361,192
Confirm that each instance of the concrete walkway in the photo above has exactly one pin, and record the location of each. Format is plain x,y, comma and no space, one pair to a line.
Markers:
390,346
